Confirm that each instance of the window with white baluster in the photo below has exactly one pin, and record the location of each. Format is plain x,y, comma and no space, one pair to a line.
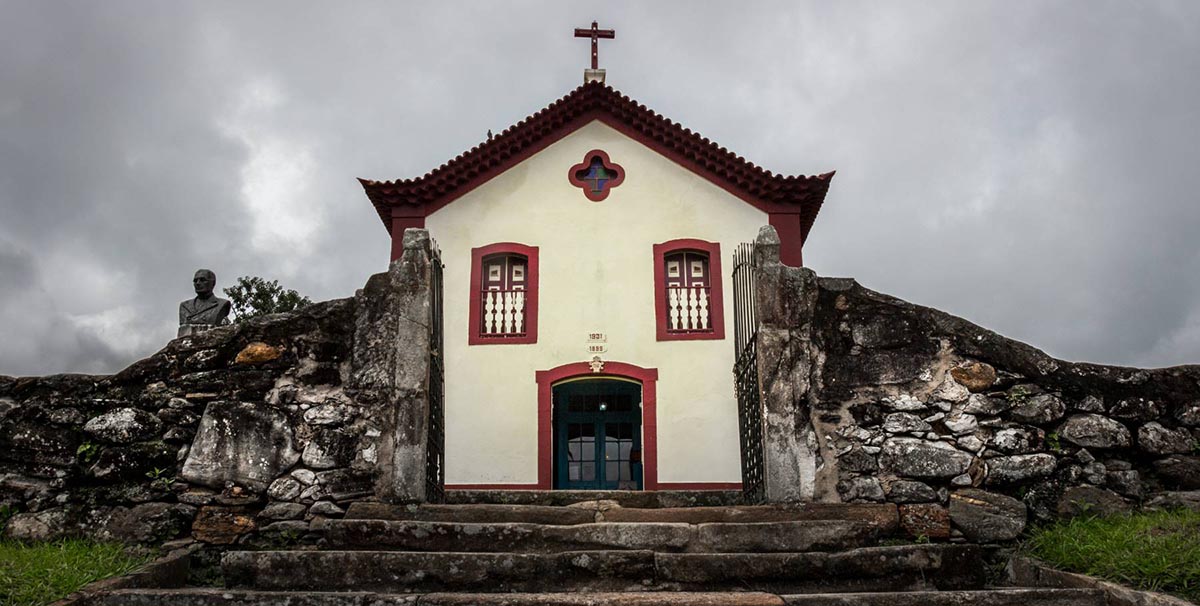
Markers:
504,294
688,298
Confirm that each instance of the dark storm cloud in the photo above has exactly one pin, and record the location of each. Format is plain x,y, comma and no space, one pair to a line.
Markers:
1028,166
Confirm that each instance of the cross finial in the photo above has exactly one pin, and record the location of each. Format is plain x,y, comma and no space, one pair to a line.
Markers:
595,33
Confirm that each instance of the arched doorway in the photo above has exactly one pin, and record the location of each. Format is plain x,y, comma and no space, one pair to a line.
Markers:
597,439
615,374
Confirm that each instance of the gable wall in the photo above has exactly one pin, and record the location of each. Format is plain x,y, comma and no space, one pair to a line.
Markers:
596,274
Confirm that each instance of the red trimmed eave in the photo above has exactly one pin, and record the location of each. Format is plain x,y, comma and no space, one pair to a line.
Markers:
772,193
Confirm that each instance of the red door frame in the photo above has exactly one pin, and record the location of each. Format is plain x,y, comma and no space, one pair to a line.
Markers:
648,377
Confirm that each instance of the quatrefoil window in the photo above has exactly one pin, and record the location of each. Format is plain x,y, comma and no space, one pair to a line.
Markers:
596,175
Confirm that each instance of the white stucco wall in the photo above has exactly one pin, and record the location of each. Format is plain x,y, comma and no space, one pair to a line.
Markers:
596,274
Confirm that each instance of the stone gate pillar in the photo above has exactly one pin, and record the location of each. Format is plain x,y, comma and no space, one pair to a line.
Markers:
391,366
786,299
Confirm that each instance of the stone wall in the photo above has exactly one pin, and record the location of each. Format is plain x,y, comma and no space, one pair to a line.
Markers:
970,432
260,426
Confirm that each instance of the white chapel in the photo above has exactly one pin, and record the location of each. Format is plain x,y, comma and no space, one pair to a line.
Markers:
587,304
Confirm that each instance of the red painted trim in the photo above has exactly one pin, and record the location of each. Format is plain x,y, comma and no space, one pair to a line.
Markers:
790,228
771,193
491,486
699,485
531,293
716,294
649,379
585,186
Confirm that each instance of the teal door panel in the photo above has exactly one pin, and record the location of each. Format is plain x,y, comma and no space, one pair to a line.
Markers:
597,435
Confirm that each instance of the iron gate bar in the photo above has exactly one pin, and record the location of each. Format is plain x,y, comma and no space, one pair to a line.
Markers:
745,372
435,446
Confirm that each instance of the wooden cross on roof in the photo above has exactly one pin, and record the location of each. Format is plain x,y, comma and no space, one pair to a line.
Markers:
595,33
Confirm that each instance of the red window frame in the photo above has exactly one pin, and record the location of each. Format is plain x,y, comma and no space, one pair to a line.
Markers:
716,306
475,334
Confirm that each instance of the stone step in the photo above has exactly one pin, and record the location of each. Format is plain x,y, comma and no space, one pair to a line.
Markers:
766,537
1004,596
626,498
224,597
486,513
883,515
898,568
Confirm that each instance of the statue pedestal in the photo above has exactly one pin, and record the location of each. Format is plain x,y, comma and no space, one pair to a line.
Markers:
192,329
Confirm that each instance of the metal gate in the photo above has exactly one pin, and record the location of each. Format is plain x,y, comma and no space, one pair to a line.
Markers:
745,372
435,447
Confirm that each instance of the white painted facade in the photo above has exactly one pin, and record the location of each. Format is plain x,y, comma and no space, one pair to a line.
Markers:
596,275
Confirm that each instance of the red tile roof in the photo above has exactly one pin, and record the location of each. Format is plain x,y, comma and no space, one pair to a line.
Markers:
595,101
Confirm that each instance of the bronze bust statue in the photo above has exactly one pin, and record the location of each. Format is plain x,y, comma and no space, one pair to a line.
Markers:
206,310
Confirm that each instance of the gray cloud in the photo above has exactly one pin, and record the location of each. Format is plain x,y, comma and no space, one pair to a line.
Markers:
1029,166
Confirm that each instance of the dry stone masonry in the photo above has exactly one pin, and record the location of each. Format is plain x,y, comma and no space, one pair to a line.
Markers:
259,428
970,433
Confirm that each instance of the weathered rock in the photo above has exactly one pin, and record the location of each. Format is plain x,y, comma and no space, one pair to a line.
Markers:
305,476
1094,431
1126,483
282,511
979,404
243,443
284,489
66,416
1156,439
25,437
1136,409
857,460
1039,409
909,491
221,525
258,353
124,425
904,422
343,481
951,391
148,523
1089,500
1015,440
1189,415
326,508
1090,404
1179,472
975,376
903,402
1175,500
330,448
917,458
863,489
196,496
39,526
925,520
971,443
1095,473
328,414
961,423
987,517
1019,468
143,460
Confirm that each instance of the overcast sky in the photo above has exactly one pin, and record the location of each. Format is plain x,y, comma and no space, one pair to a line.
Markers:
1031,166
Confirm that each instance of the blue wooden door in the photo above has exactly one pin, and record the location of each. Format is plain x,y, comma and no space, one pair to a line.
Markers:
598,435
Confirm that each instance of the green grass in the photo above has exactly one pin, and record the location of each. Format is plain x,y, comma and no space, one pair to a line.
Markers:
1156,551
35,574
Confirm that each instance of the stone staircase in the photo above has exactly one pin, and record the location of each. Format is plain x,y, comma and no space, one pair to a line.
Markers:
627,549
